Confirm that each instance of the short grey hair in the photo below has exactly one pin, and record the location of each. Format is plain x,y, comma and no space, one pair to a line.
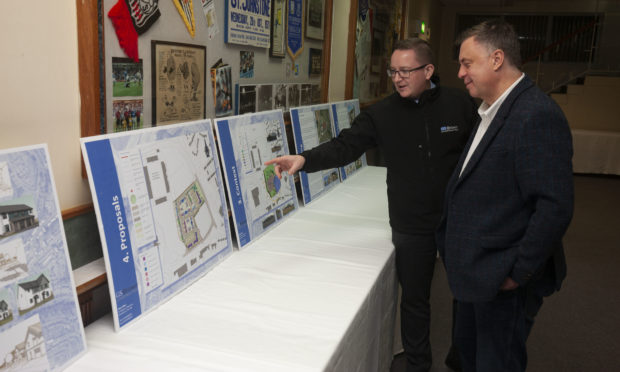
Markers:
496,34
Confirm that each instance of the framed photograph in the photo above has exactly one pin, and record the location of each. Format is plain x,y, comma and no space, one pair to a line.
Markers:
278,42
126,77
178,79
315,64
315,19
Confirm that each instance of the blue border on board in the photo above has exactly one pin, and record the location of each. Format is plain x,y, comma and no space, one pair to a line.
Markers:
234,189
115,228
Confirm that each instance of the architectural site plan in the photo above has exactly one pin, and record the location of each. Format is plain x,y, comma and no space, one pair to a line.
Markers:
259,200
312,126
344,113
161,211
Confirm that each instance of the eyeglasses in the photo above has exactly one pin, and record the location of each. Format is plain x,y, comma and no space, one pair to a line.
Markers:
404,73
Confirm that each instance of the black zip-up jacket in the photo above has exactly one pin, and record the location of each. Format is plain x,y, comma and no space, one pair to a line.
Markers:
421,144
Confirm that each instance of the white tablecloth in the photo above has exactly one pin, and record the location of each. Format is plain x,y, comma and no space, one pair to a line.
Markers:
596,152
316,293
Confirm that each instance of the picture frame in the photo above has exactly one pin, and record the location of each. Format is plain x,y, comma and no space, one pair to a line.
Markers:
277,45
178,82
315,65
315,19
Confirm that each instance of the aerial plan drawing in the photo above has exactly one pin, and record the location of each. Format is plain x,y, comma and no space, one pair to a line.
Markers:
161,211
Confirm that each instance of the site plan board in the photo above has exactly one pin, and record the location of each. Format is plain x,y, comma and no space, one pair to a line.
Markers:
159,200
312,126
258,199
40,322
344,113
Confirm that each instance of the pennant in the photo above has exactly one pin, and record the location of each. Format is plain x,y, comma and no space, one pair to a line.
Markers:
125,31
143,14
186,10
131,18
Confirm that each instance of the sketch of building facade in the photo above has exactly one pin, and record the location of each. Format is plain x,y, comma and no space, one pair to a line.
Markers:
33,347
15,218
5,311
33,293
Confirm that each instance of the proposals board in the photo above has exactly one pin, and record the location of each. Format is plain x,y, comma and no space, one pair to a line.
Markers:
40,323
312,126
159,200
344,113
258,199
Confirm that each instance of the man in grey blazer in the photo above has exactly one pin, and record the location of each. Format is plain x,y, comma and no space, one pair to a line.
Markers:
507,206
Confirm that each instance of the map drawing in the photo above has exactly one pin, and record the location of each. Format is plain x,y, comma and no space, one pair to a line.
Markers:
312,126
161,211
259,200
344,114
40,321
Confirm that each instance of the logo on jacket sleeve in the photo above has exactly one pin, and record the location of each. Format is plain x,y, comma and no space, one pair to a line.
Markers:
449,128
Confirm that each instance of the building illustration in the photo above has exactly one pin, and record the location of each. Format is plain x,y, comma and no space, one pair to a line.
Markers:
15,218
33,293
27,351
5,312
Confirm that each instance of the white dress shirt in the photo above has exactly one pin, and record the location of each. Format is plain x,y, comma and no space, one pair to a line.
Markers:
487,113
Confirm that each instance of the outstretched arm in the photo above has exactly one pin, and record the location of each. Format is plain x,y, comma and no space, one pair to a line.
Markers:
287,163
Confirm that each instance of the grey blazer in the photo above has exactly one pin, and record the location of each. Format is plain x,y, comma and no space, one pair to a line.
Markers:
506,214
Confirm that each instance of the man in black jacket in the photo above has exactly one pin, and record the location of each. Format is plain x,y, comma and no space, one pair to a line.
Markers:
421,130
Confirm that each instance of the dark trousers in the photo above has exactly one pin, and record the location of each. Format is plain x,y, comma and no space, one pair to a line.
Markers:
491,336
415,263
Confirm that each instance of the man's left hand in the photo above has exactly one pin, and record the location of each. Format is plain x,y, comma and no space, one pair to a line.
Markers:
508,284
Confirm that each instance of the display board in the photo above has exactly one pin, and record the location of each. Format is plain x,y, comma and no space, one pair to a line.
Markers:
40,323
344,113
259,199
312,126
163,220
265,97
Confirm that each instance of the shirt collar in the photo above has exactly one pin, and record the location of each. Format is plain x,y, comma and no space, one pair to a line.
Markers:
489,111
417,100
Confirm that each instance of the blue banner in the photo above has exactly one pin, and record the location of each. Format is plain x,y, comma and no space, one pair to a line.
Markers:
234,189
116,230
295,28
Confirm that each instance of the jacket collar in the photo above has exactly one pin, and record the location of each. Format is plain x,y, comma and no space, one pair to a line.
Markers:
497,123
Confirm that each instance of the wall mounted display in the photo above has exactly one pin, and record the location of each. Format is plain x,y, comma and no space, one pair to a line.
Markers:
186,11
126,77
163,221
315,19
178,80
245,96
279,97
248,23
294,28
40,322
221,79
277,44
208,8
306,95
312,126
127,114
293,94
315,63
259,200
246,64
344,113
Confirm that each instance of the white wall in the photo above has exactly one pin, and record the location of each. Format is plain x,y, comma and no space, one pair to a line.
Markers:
40,102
